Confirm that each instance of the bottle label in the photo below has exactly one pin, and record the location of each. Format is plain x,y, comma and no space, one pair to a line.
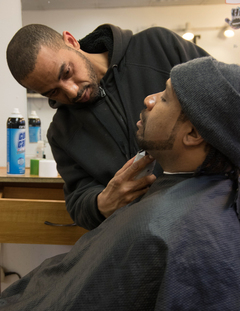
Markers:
15,151
34,134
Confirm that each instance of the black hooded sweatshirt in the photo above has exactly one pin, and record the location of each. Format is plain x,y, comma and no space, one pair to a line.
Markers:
91,143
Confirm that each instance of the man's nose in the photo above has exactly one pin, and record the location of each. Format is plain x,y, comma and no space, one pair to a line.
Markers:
70,89
150,101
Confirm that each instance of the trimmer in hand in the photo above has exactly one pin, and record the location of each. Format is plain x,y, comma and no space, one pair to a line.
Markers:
148,169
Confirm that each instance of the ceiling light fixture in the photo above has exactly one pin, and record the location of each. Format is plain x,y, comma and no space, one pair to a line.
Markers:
228,32
188,34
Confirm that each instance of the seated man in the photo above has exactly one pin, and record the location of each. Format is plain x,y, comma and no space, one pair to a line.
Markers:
178,248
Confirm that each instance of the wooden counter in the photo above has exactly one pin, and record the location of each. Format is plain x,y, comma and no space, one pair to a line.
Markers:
27,203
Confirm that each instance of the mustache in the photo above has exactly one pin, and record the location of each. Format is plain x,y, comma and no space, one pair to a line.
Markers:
79,94
143,117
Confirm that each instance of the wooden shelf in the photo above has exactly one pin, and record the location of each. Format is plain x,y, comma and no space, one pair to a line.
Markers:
26,203
26,178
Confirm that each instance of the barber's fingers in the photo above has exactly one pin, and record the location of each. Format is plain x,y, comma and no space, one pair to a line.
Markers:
131,190
132,187
125,166
143,182
137,167
123,188
130,169
122,185
130,197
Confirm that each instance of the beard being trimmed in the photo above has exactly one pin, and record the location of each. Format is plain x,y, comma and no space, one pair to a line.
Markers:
150,145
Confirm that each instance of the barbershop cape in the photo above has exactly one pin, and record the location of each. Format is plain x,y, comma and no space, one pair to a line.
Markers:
177,249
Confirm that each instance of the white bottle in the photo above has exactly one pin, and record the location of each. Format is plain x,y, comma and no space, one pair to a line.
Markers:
40,149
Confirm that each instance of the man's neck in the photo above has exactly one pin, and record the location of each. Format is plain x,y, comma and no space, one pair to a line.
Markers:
99,63
187,162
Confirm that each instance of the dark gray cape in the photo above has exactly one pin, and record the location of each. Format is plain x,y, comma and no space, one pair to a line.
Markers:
176,249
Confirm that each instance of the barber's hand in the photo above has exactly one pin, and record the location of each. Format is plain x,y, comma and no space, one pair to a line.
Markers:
123,189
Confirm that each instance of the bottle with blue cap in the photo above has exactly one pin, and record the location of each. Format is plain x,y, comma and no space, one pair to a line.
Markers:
16,143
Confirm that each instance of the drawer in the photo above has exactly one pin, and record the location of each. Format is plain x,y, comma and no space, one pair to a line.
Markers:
24,211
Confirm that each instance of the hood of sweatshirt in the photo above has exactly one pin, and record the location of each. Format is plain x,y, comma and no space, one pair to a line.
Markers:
104,38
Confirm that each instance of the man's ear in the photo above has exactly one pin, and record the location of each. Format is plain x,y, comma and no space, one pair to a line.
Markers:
70,41
192,137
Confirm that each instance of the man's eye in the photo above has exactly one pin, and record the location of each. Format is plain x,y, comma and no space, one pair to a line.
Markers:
53,93
67,73
163,99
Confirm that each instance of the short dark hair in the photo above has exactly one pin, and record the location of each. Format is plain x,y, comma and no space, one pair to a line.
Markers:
23,49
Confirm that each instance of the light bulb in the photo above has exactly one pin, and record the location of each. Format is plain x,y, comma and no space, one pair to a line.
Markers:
188,36
229,33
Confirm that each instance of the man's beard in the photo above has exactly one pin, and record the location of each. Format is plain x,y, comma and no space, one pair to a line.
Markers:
148,145
94,82
94,94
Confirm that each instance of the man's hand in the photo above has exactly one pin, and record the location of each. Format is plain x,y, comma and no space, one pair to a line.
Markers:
123,188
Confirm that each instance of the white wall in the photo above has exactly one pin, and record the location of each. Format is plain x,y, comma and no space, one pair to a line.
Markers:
12,94
81,22
23,258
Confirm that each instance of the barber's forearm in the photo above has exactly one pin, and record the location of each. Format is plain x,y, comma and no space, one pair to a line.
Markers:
83,208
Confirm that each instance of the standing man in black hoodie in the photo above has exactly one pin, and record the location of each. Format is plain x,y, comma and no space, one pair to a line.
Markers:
98,85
